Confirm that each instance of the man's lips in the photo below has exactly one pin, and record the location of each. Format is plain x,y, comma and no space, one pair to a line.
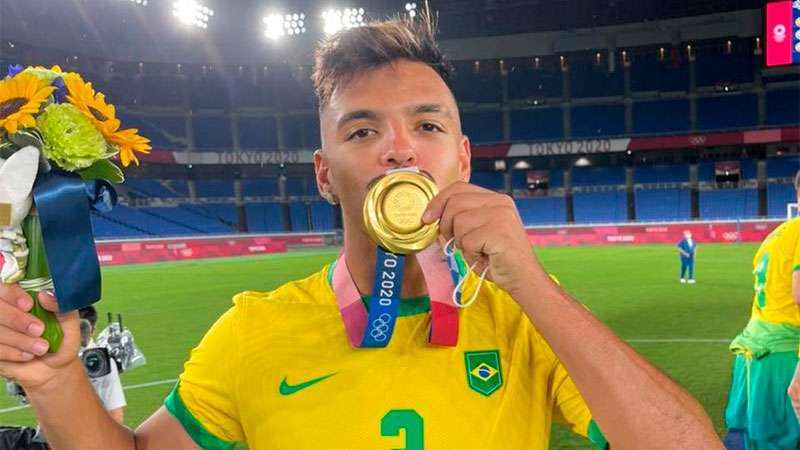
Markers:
375,180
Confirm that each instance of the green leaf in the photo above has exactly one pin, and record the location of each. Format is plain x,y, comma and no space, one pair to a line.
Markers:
111,151
6,150
102,170
25,138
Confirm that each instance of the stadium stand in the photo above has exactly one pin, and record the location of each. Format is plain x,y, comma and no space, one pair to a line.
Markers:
662,205
542,210
729,204
600,207
660,116
594,176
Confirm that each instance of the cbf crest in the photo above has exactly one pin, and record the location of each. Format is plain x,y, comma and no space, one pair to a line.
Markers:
484,374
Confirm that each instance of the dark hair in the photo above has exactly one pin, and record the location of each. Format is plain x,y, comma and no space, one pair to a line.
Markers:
349,53
88,313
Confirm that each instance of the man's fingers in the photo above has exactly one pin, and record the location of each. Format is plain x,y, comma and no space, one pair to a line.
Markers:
14,319
10,354
437,205
48,301
23,342
12,294
463,223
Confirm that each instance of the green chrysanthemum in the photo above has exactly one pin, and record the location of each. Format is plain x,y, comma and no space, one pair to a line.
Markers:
70,139
43,73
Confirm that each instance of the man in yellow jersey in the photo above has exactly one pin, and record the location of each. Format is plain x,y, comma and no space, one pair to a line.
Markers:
759,413
277,371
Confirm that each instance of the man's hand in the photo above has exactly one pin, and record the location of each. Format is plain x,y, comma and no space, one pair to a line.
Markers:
23,353
485,225
794,391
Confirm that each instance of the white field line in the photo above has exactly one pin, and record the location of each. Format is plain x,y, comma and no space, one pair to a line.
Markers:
131,387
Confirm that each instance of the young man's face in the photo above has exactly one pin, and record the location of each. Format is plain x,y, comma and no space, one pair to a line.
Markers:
398,115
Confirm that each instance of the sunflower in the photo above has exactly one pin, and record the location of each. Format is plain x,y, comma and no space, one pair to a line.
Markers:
21,97
129,142
93,105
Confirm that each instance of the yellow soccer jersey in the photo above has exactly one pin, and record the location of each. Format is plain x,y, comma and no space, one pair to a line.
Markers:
277,372
776,260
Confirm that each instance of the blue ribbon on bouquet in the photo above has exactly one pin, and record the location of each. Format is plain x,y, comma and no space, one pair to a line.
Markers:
63,208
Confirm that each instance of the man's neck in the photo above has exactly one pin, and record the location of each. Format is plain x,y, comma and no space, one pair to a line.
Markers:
360,254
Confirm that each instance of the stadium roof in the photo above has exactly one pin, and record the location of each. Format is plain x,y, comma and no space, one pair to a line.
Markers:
115,29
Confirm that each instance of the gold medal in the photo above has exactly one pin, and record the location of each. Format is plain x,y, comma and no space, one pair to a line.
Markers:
393,212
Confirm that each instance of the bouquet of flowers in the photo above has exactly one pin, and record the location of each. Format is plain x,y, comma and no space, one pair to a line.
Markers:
58,137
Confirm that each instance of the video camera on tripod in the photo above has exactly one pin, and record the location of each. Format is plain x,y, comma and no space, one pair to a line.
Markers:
114,343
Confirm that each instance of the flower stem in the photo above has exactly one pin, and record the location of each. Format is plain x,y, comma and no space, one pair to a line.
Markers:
37,279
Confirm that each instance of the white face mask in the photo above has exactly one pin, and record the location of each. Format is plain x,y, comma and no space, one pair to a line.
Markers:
449,251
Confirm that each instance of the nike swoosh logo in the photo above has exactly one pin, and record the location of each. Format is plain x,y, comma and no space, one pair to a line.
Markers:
289,389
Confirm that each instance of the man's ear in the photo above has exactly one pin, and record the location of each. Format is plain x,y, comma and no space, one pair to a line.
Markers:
465,159
321,172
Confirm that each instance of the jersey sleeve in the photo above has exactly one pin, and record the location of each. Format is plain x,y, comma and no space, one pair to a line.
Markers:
205,399
570,410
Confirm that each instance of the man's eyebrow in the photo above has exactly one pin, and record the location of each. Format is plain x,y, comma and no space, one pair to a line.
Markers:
356,115
430,108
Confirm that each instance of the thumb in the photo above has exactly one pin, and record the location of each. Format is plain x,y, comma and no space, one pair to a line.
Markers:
49,302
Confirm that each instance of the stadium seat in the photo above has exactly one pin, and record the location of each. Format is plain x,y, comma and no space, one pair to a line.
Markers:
661,116
729,204
483,127
321,216
477,86
778,196
264,217
210,92
785,167
542,210
258,133
598,121
661,173
212,133
598,176
588,79
260,187
537,124
648,73
726,112
214,188
300,216
715,66
164,132
600,207
662,205
525,82
783,107
489,180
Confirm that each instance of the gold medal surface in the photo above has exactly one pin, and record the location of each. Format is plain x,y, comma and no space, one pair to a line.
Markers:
393,212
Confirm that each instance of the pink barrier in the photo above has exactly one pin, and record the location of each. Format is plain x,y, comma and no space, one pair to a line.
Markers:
154,250
664,233
145,251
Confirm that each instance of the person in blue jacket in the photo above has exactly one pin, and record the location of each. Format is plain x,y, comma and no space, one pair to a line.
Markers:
687,248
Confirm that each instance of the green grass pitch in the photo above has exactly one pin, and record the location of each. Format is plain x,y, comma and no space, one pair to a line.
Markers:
683,329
